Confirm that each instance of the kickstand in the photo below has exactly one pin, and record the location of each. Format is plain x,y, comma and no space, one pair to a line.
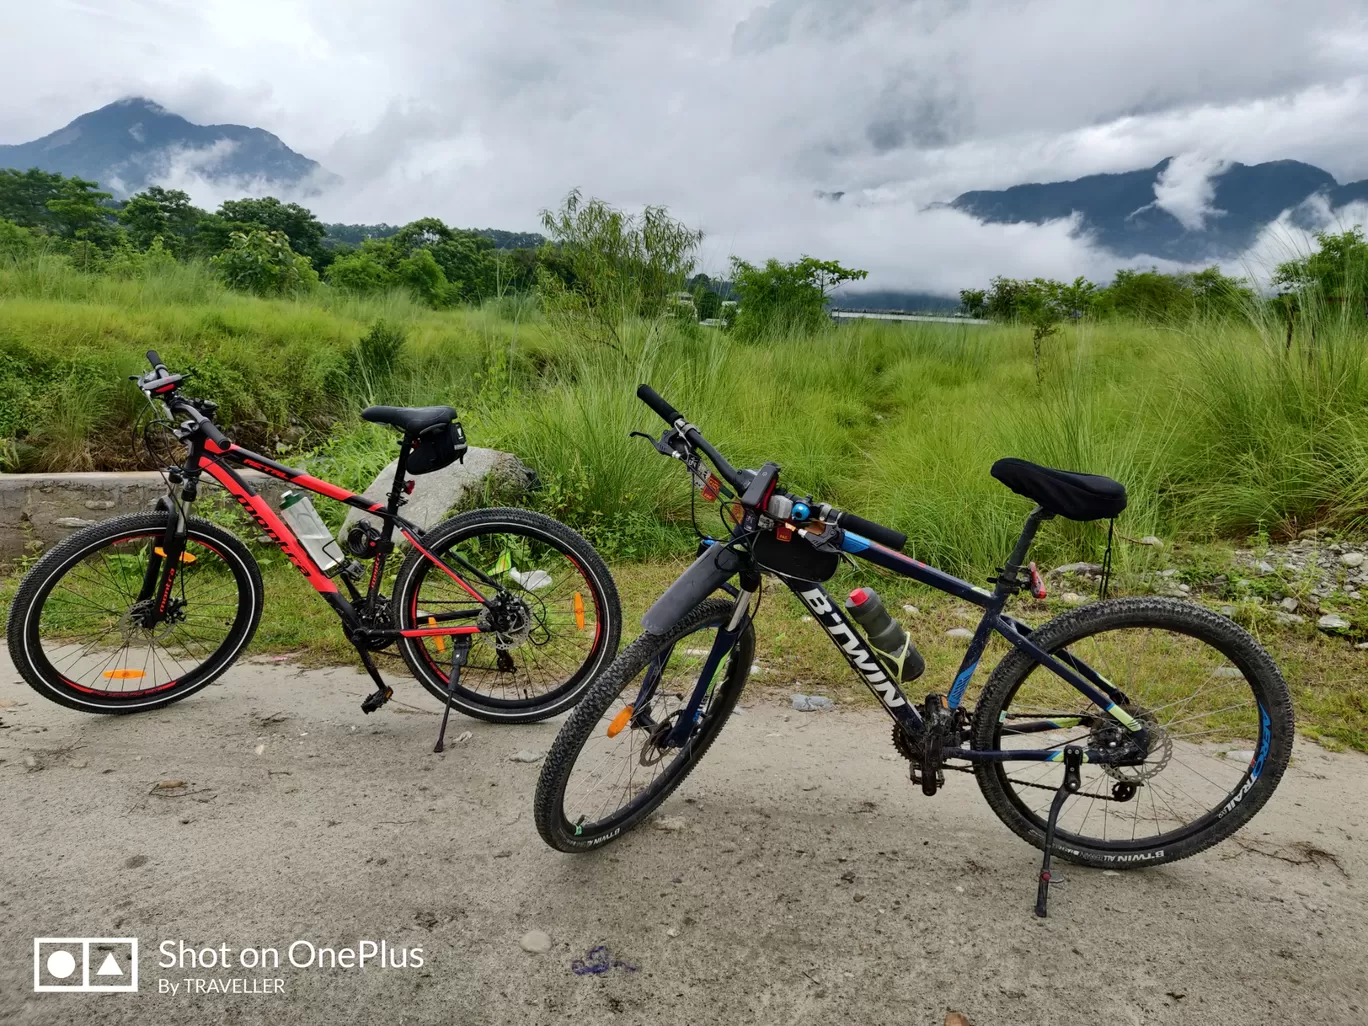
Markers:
1073,759
459,650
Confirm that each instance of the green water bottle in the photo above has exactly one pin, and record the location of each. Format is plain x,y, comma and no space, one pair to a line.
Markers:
889,641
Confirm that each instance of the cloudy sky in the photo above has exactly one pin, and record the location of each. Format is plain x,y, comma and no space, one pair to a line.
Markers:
733,113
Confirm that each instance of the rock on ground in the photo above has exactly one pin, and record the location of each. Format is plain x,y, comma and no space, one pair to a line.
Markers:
436,494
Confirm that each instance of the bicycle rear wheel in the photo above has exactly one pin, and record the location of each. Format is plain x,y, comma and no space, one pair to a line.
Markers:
605,772
1218,714
77,629
555,620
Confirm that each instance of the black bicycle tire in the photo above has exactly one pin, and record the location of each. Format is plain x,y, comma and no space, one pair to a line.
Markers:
25,612
1227,637
550,530
548,805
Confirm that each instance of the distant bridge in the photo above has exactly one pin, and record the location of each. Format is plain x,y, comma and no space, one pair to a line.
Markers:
848,314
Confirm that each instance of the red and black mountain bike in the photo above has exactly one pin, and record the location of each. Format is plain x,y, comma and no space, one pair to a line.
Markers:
503,614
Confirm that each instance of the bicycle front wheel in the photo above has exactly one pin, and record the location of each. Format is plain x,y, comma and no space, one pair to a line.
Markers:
1218,714
553,622
81,634
609,766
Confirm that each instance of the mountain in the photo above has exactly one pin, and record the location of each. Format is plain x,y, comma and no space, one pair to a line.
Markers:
1122,213
132,143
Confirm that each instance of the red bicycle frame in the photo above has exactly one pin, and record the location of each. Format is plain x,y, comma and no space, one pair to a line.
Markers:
208,457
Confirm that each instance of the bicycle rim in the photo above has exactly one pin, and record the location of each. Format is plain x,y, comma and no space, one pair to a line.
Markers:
91,631
1210,736
541,641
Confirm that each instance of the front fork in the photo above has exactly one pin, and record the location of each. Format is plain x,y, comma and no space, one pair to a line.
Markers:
163,564
722,645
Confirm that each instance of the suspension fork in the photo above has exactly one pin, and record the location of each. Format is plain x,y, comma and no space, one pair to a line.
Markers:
163,563
721,648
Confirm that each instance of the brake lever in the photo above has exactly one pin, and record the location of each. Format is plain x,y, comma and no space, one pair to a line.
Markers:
661,446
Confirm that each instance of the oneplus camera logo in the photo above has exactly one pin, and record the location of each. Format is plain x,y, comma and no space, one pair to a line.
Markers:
90,965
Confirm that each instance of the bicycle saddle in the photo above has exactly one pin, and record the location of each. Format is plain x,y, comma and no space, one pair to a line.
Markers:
412,419
1065,492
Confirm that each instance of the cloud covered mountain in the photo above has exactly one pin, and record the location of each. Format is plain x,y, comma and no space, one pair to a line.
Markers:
135,142
1183,208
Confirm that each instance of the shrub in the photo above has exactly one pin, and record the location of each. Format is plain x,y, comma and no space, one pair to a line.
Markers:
262,263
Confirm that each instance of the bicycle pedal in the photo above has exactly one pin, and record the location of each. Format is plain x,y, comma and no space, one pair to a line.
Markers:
376,699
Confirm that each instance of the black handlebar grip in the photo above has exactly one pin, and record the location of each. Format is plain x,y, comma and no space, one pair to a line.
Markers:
655,401
154,359
214,435
877,532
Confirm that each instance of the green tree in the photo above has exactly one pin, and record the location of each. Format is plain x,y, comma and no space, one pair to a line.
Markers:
610,265
298,224
781,299
360,272
421,273
974,302
263,263
24,196
1337,271
161,213
16,241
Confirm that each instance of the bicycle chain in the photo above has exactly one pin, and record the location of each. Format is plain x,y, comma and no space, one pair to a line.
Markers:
901,743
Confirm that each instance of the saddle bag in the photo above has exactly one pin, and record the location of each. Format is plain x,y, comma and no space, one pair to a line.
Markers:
436,447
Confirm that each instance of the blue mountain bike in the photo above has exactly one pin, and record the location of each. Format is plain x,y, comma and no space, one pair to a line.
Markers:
1127,732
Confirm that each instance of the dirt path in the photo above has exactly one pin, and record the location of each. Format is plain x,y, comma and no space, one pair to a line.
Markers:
809,882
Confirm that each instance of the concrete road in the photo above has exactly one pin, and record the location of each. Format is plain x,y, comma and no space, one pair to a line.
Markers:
804,881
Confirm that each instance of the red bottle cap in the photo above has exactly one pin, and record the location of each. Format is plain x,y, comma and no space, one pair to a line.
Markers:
859,596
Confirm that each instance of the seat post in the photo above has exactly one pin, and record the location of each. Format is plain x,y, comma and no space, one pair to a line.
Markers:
1023,543
396,494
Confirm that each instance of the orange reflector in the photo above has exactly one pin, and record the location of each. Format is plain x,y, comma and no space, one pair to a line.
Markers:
579,614
619,721
124,674
441,641
186,557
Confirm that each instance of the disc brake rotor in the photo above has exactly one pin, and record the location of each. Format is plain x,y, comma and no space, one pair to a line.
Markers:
1160,751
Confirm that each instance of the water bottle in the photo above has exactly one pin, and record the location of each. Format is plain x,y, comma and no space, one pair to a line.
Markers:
313,534
887,639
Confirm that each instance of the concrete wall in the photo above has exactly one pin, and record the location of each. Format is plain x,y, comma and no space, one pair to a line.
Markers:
37,510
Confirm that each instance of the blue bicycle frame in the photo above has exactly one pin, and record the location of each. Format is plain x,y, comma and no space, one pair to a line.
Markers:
828,612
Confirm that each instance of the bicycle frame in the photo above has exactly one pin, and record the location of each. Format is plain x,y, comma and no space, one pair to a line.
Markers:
828,612
207,457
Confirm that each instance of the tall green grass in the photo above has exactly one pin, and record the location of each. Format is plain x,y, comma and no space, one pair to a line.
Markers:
1217,428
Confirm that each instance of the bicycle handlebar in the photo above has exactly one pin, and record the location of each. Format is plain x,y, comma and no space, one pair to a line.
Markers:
656,401
876,532
177,403
675,419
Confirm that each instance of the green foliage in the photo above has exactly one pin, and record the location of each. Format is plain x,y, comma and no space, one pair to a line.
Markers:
1336,272
707,302
298,224
16,242
263,264
974,302
158,213
781,299
1139,295
360,272
609,265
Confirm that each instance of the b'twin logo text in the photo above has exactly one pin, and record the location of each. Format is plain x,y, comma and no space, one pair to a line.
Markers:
857,653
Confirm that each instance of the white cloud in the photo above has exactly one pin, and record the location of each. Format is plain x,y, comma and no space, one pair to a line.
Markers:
733,113
1185,189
